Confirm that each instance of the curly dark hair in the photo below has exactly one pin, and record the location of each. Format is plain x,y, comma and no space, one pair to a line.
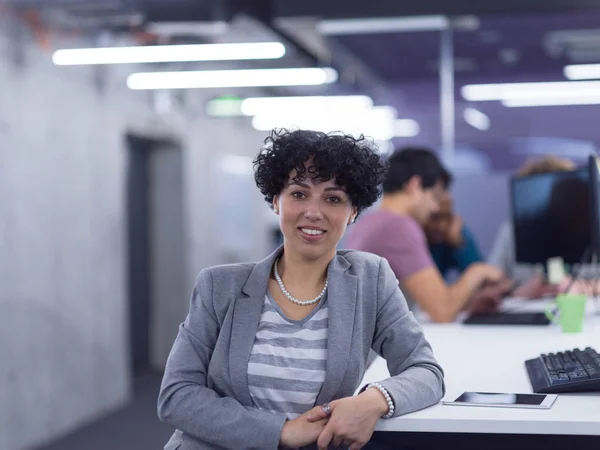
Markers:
352,162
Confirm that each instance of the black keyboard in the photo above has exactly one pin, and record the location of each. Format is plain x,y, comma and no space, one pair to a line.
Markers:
568,371
507,319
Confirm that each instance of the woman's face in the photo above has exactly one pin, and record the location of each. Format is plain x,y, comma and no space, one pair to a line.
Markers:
313,216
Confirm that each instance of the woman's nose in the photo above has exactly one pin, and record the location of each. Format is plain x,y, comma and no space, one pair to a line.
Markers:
313,212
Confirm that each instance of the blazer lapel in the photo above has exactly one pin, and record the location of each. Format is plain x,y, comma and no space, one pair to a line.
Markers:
246,317
341,301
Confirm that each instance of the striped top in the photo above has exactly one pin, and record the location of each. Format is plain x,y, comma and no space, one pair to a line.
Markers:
288,359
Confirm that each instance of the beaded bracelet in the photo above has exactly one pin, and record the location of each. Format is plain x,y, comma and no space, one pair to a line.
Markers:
388,399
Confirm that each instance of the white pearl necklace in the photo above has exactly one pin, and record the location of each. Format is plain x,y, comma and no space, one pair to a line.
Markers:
289,296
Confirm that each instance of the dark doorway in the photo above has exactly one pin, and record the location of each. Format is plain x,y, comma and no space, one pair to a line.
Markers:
157,284
138,237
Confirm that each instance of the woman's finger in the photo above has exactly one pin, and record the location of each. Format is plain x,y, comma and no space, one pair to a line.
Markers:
356,446
316,414
325,437
336,442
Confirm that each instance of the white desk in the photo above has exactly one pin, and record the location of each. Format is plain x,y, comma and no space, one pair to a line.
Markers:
491,359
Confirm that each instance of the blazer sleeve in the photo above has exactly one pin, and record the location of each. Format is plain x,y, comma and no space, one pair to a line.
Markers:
417,380
186,402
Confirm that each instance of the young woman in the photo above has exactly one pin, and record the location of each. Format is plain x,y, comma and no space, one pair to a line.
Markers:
271,353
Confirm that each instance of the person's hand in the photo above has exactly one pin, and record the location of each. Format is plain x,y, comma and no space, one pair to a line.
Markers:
486,273
488,299
536,287
300,431
454,237
352,420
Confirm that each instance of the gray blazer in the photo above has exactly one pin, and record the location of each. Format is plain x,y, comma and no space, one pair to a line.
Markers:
204,392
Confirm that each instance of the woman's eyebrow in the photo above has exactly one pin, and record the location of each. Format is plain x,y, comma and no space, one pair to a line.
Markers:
306,186
299,183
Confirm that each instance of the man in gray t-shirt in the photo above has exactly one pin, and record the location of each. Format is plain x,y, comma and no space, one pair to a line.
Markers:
411,193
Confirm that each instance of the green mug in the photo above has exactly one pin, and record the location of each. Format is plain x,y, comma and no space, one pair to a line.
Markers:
568,310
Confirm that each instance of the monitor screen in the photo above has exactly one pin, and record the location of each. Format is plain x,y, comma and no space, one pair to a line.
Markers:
551,215
594,167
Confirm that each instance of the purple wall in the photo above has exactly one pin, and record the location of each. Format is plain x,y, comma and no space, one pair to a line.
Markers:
483,203
515,133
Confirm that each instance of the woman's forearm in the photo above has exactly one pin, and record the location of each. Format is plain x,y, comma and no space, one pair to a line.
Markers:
223,421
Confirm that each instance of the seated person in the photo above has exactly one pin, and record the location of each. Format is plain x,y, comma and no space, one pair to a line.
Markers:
530,278
412,191
451,244
271,353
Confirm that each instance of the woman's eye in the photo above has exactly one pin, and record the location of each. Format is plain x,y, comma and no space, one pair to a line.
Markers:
298,194
334,199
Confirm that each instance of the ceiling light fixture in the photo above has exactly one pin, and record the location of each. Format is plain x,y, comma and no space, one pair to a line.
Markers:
379,122
582,71
376,122
477,119
168,53
551,101
199,28
310,76
255,106
406,128
383,25
504,91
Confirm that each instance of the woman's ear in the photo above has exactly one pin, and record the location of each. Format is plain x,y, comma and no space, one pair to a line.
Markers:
353,216
276,204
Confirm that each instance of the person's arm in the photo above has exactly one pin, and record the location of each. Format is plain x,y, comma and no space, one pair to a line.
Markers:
417,380
442,302
466,254
186,402
410,260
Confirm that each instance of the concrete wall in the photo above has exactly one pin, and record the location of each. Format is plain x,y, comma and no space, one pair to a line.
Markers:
63,306
62,299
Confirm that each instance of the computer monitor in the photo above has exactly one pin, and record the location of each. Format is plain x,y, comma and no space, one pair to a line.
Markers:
552,216
594,170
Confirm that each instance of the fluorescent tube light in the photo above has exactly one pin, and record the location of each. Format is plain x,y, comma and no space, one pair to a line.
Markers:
379,122
504,91
374,123
550,101
168,53
232,78
382,113
376,130
256,106
582,71
406,128
188,28
382,25
477,119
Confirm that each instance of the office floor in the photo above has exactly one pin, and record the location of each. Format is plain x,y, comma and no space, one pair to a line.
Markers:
134,427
